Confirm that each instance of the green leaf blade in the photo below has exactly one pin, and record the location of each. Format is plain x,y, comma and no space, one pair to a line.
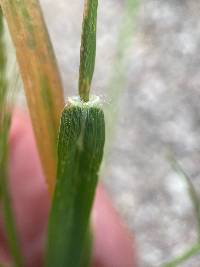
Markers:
88,48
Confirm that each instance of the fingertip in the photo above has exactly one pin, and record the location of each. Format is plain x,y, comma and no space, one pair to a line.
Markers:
113,243
27,187
20,125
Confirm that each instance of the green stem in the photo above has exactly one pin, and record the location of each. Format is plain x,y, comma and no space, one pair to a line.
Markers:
88,48
193,251
191,190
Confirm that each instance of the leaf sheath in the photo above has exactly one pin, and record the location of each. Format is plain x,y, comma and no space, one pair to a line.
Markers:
80,151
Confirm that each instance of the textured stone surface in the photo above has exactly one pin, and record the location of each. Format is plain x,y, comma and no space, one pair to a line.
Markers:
159,112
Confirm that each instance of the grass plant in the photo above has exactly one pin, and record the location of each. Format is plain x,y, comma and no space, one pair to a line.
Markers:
70,138
80,151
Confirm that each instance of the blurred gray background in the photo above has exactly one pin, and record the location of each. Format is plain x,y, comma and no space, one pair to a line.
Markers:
159,111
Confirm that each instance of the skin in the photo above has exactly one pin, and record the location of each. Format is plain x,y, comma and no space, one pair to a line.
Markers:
113,244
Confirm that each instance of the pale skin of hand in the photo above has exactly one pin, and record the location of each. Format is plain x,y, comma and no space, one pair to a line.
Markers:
113,244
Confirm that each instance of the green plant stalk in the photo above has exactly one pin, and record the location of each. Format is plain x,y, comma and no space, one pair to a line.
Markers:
191,252
80,152
40,75
5,118
118,77
117,82
191,190
88,48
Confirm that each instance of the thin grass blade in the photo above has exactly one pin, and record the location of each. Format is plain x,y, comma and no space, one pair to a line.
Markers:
188,254
191,190
88,48
117,81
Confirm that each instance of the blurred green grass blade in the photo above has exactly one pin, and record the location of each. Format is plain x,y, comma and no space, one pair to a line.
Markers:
195,249
118,77
126,31
5,118
191,252
4,131
88,48
191,190
80,152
